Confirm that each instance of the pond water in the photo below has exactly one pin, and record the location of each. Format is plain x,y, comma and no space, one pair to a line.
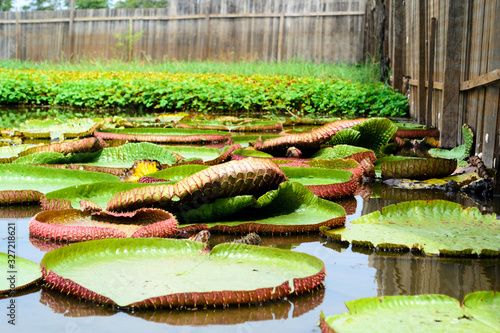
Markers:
352,273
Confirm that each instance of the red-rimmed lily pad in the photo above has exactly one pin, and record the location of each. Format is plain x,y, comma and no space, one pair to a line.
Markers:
418,168
345,151
72,225
164,135
325,183
117,157
433,227
17,274
479,312
169,272
291,208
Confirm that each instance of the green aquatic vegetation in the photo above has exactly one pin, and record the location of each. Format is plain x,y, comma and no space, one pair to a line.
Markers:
25,272
202,92
291,208
117,157
147,272
459,153
479,312
29,177
433,227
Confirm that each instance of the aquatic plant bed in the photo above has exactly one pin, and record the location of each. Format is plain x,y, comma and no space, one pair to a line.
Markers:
201,92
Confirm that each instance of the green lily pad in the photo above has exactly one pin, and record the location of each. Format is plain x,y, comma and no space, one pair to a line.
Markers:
29,177
433,227
461,152
205,154
162,131
325,183
168,272
316,176
99,193
480,312
290,208
118,157
22,274
375,133
342,151
57,128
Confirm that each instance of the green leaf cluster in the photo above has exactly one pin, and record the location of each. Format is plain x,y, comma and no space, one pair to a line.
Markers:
200,92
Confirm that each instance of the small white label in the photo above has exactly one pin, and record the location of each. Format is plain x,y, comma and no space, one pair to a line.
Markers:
486,138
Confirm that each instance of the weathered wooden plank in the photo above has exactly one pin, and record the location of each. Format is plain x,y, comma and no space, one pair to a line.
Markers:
481,80
492,99
398,19
421,62
430,90
448,123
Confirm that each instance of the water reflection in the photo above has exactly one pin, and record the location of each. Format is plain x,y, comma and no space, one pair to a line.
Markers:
291,307
414,275
378,195
19,212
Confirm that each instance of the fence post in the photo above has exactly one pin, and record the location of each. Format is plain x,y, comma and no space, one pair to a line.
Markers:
421,62
432,48
448,119
491,146
17,34
280,36
207,30
398,35
71,30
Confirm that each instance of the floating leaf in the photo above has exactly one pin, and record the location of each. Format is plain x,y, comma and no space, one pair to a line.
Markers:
9,197
87,145
346,136
72,225
117,157
344,151
28,177
459,153
17,273
434,227
290,208
164,135
309,142
375,133
99,193
169,272
420,313
325,183
248,176
418,168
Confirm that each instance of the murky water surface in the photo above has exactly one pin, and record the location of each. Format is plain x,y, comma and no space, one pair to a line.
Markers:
351,274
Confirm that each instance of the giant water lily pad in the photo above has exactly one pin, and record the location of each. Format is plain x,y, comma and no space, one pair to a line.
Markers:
17,273
434,227
325,183
73,225
99,193
123,156
480,312
290,208
169,272
28,177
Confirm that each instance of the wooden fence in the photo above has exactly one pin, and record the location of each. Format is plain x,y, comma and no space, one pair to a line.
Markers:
314,30
446,57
